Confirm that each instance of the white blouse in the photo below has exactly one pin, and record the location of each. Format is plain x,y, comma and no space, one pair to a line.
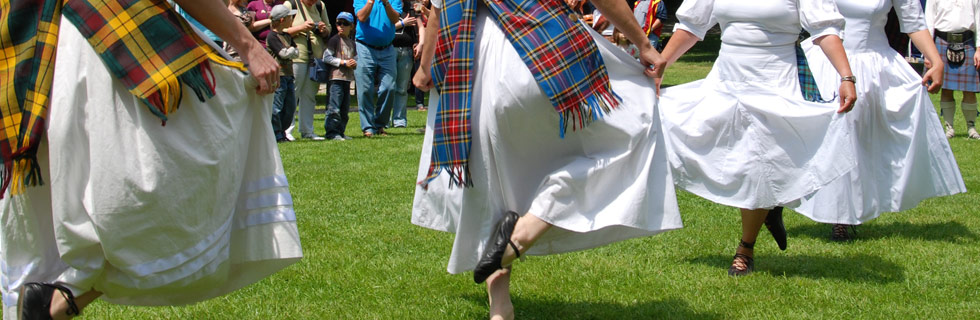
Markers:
760,22
866,21
953,15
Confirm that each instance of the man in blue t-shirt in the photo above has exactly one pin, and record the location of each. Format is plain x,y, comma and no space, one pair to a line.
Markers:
375,62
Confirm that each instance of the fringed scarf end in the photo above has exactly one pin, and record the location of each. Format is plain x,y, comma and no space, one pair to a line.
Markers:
167,98
20,173
593,108
459,176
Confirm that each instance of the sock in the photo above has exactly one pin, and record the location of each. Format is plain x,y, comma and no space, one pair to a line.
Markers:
969,113
948,109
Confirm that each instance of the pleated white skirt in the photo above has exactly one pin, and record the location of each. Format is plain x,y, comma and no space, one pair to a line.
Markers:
902,153
603,184
745,137
145,213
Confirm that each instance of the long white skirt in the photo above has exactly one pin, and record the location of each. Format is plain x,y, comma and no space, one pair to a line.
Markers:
603,184
149,214
902,152
745,137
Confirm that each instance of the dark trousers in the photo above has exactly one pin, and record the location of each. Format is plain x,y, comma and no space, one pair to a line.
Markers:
283,106
338,107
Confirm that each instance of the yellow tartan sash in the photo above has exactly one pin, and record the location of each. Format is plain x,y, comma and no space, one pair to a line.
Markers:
143,43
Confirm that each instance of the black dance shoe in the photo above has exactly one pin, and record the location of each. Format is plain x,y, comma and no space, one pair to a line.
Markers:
840,232
34,302
494,251
774,222
746,260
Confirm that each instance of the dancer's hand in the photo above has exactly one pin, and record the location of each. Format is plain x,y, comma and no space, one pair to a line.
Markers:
654,64
976,60
422,79
933,79
848,95
263,67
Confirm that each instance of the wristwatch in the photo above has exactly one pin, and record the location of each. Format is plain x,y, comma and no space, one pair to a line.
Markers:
849,78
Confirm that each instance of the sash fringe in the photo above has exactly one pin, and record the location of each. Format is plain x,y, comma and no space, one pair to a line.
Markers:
595,107
166,100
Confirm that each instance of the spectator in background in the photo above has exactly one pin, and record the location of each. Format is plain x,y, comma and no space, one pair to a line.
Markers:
260,9
422,11
340,54
651,14
239,9
283,48
375,61
600,24
310,28
406,36
953,23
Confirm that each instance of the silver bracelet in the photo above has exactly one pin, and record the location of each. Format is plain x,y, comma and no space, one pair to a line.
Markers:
852,79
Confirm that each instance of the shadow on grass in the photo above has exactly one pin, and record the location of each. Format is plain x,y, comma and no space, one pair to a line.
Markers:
538,308
855,268
950,231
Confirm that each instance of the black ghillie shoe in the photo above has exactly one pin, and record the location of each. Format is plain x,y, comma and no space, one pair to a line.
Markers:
745,260
34,301
840,233
494,251
774,223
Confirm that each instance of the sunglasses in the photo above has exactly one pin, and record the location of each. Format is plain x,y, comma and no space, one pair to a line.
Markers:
343,23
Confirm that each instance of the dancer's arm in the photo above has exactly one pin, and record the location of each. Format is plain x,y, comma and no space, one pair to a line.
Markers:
617,12
214,15
923,41
834,49
681,41
423,77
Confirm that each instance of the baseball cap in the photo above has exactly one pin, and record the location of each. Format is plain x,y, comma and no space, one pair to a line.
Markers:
346,16
280,11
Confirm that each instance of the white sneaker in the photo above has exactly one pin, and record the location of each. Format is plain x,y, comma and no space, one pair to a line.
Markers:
949,130
972,133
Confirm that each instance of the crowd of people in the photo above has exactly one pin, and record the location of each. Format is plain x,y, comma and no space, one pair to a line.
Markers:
373,49
522,157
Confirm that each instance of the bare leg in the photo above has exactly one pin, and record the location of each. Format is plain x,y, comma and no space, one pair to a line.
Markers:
498,289
526,232
946,95
752,220
59,306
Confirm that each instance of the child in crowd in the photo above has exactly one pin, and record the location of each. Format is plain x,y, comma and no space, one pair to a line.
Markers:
282,47
340,53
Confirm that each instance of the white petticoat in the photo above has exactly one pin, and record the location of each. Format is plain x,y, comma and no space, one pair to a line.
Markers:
745,137
902,152
603,184
145,213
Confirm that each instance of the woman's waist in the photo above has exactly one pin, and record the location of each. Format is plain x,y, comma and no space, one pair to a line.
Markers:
774,64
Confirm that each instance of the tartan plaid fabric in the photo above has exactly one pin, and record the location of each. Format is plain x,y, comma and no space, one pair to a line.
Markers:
807,84
142,42
29,35
559,52
963,77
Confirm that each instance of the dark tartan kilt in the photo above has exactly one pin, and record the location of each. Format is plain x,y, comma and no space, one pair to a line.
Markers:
963,77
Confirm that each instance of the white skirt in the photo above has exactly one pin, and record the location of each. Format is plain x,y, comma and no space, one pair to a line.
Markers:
144,213
745,137
903,155
603,184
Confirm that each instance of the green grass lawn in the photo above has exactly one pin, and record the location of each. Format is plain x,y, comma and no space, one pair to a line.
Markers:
365,260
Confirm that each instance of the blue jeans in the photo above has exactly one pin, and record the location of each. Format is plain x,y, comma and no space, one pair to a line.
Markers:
403,77
375,76
335,123
655,41
283,106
